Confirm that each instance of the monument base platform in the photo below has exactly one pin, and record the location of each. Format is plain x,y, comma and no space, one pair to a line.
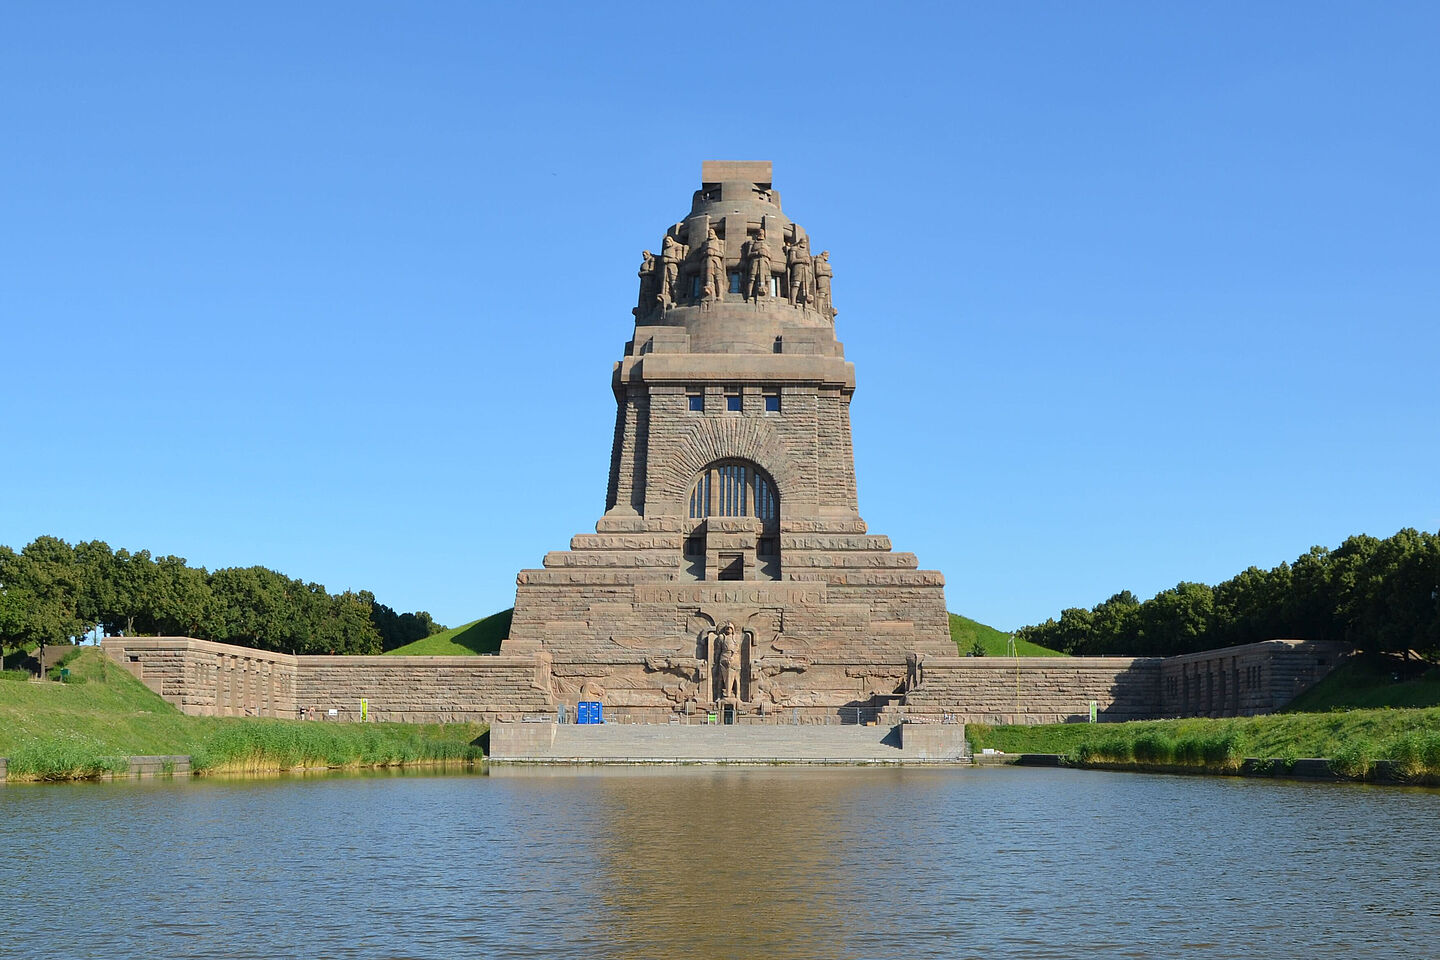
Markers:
549,742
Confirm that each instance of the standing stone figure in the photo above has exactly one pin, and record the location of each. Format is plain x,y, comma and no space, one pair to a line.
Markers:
647,284
715,279
757,258
798,263
914,670
672,251
727,663
823,273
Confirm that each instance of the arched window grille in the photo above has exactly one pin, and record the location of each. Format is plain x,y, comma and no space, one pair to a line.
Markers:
734,488
700,496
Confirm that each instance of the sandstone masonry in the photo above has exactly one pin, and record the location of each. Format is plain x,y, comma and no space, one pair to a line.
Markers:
731,570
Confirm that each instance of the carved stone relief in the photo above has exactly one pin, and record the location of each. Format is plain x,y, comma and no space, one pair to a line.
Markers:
823,272
757,267
714,280
800,267
649,287
672,252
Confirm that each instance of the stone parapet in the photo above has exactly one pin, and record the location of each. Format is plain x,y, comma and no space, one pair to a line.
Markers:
1036,689
823,669
203,678
210,679
1244,680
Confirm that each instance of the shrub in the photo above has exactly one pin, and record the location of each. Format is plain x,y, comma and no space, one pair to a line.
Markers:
1152,746
1222,749
1403,751
63,759
1430,751
1112,747
1354,757
1190,749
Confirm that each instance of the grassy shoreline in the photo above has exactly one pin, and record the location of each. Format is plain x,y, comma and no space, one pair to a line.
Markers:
89,727
1406,742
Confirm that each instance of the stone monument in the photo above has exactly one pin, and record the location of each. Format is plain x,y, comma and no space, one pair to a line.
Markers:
731,568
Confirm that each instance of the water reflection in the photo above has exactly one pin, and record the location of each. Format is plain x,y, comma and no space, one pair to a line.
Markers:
719,863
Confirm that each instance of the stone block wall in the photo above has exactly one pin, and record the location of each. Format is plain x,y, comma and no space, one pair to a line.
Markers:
1245,680
206,679
797,680
421,689
221,680
1036,689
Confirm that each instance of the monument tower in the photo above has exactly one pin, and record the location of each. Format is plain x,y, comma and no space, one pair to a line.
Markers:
731,569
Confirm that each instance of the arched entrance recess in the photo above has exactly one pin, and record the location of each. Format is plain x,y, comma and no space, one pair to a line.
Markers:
733,487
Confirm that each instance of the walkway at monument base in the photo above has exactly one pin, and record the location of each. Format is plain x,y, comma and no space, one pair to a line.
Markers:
550,742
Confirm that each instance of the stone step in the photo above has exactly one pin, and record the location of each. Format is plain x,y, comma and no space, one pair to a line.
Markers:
716,743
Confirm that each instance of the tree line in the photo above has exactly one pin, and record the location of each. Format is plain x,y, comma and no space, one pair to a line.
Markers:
1379,595
51,592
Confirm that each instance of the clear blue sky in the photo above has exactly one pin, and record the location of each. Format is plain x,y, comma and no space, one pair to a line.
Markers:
1136,293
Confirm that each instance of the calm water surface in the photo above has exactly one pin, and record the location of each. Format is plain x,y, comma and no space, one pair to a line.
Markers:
721,863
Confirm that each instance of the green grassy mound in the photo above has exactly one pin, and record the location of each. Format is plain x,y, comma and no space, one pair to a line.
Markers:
966,633
1352,740
1373,680
88,726
477,636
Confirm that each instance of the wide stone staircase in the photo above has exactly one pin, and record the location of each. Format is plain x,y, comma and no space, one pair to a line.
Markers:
702,743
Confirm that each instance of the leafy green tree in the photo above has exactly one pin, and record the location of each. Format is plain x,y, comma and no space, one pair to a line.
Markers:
1045,634
1350,572
1075,632
398,629
134,592
184,604
349,627
1249,606
1116,625
256,609
1310,610
1177,620
50,582
50,592
96,566
15,603
1391,606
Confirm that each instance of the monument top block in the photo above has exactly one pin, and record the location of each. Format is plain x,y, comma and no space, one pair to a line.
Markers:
732,171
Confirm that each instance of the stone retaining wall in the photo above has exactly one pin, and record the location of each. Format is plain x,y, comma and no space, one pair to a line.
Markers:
175,765
1246,680
214,679
1036,689
207,679
421,689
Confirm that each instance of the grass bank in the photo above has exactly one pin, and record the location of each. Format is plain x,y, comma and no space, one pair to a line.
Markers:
1354,741
477,636
1369,680
973,636
87,727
